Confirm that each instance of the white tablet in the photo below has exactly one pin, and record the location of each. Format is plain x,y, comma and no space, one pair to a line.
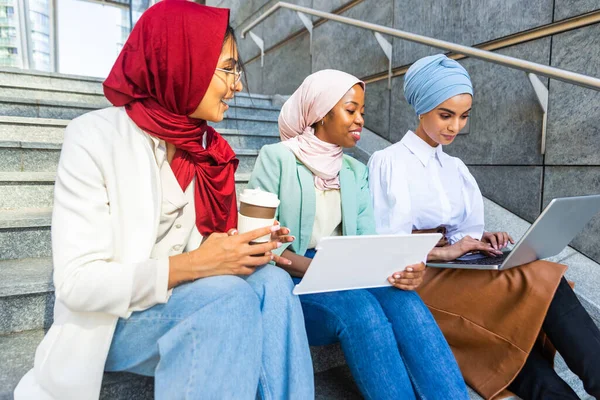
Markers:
359,262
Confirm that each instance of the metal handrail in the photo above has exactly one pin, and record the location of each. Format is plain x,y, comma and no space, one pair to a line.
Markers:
511,62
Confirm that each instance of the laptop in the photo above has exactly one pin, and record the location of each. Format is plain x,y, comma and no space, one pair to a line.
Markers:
359,262
551,232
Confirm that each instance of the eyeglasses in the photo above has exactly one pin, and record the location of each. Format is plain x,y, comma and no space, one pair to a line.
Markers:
238,74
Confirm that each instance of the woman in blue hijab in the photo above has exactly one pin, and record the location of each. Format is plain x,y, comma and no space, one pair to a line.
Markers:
503,326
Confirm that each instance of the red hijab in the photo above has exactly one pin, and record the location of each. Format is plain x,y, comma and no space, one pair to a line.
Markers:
160,77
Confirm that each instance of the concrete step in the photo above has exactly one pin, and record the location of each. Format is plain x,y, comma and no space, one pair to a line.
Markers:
26,190
26,294
257,126
22,83
17,352
18,90
69,109
31,153
25,233
50,81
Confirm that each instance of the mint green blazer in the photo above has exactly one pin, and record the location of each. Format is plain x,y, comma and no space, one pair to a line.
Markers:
277,170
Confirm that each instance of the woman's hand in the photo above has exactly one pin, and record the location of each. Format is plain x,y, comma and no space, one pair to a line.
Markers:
460,248
409,279
282,235
223,254
498,240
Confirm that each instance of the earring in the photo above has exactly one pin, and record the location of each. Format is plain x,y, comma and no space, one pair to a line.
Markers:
420,117
322,122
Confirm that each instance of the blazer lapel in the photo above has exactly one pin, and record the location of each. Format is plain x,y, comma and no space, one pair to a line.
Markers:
307,204
348,196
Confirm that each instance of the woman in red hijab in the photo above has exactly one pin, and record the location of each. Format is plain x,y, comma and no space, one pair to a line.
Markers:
139,186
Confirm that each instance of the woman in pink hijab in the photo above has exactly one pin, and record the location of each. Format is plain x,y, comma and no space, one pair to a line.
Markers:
391,342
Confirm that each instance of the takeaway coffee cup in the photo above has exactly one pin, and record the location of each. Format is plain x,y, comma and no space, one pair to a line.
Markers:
257,210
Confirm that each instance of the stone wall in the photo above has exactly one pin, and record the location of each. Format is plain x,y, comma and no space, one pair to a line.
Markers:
502,148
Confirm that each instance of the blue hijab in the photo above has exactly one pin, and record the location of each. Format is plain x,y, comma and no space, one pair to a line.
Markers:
432,80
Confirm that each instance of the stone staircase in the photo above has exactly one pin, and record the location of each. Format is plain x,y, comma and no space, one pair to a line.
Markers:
34,109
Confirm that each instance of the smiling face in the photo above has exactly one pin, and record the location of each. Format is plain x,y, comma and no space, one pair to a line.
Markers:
442,124
222,86
343,124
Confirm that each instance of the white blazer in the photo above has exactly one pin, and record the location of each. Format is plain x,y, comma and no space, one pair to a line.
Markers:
106,214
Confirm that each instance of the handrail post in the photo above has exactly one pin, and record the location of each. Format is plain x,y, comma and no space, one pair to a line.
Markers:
388,49
261,45
541,92
309,27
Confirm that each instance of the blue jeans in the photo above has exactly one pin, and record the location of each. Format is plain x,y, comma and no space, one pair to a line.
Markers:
221,337
391,342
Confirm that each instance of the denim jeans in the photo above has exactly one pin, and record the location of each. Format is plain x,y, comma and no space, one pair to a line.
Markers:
391,342
220,337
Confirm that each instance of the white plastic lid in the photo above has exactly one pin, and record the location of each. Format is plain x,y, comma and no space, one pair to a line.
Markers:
258,197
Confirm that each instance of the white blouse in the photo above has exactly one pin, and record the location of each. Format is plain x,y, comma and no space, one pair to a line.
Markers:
328,216
416,186
177,215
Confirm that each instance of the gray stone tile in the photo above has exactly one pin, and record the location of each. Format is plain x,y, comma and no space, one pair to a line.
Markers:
254,77
26,312
127,387
37,94
250,126
464,22
568,8
250,142
17,352
252,113
518,189
349,48
576,181
19,110
18,159
282,24
246,163
377,108
506,120
26,218
573,131
246,47
50,81
253,99
328,5
30,133
327,357
10,159
243,11
402,115
48,111
286,67
26,195
25,243
336,383
40,160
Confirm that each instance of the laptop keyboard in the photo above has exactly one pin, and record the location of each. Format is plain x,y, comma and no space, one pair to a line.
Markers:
484,261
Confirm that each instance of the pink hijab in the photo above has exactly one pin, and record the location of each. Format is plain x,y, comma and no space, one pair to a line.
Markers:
309,104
